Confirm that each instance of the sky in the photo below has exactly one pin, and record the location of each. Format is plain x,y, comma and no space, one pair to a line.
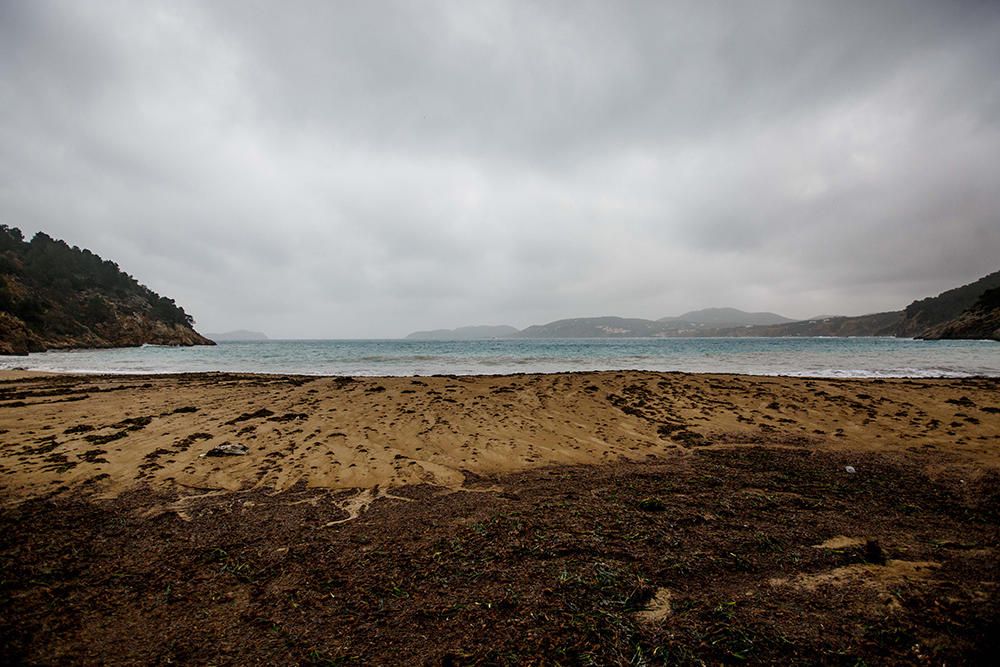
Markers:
367,169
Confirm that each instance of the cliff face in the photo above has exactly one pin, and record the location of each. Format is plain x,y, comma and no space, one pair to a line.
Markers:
53,296
935,311
981,321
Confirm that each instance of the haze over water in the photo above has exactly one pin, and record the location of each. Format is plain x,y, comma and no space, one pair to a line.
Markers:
820,357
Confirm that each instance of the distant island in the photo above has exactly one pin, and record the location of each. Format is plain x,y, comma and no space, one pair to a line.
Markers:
54,296
239,335
706,322
971,311
480,332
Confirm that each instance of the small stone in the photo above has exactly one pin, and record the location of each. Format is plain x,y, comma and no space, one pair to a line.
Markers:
228,449
850,469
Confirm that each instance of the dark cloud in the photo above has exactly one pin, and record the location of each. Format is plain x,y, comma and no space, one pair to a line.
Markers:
322,169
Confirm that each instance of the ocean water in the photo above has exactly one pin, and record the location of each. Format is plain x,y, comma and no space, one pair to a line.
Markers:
820,357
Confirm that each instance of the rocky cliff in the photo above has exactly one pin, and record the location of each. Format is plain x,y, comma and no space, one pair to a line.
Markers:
54,296
927,314
981,321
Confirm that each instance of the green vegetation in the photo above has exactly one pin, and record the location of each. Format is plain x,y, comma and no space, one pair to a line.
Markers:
934,310
980,321
53,295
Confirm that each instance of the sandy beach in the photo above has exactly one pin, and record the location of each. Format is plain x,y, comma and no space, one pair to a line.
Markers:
107,434
578,516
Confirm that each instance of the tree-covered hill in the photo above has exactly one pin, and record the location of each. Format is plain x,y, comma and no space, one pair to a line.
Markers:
980,321
57,296
925,314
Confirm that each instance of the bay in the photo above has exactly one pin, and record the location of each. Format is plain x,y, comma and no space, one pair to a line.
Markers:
819,357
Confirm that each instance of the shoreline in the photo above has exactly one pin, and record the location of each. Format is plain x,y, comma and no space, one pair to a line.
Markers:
14,372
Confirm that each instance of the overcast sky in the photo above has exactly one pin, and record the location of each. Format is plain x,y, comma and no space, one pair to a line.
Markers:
334,169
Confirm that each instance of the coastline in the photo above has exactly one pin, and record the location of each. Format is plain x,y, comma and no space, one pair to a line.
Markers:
581,516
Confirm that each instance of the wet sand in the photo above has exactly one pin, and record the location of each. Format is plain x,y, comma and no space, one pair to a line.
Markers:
601,518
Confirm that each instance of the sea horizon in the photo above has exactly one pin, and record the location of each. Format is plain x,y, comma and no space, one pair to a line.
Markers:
875,357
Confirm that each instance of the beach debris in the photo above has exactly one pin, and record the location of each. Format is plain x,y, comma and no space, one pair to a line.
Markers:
134,423
228,449
652,505
99,439
964,402
850,469
288,416
259,414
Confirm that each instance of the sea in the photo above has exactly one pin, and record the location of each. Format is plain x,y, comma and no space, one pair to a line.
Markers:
814,357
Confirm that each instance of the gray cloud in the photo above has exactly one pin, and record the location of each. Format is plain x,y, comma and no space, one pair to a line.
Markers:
335,170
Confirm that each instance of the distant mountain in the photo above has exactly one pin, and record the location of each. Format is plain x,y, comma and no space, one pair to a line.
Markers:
876,324
594,327
727,317
879,324
706,322
924,318
980,321
54,296
481,332
238,335
961,308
